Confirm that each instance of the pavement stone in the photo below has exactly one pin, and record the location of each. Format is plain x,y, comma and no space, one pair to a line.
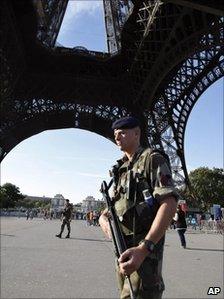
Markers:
36,264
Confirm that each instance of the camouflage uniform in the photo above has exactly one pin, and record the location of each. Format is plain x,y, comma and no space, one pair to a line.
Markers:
67,214
148,170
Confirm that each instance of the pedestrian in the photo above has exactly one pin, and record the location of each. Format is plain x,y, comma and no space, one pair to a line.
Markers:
144,211
27,214
193,223
45,214
51,214
202,221
88,218
91,217
181,225
31,214
66,219
95,218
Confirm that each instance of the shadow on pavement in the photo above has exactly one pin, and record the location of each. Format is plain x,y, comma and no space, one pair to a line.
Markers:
7,235
95,240
204,249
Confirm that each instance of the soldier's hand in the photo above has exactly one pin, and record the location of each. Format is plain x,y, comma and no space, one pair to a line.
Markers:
104,224
131,259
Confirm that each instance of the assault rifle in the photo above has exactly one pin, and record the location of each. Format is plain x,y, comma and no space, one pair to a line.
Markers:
116,233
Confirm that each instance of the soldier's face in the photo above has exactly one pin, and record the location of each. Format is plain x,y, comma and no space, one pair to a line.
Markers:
126,139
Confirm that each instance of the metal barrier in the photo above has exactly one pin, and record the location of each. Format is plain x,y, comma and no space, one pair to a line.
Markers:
205,226
212,226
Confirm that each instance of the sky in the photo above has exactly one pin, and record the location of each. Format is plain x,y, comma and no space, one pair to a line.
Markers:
74,162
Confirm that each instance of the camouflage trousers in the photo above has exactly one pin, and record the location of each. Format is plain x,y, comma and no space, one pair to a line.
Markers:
147,281
65,221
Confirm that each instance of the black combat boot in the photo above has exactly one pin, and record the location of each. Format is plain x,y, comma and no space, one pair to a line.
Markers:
68,236
59,235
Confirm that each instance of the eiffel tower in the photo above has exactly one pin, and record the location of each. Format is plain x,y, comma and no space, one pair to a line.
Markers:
162,55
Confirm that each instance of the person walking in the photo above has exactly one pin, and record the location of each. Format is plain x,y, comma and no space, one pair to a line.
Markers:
27,214
181,225
88,218
66,219
144,212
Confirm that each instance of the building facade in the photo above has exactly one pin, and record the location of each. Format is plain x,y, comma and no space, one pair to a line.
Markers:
57,203
91,204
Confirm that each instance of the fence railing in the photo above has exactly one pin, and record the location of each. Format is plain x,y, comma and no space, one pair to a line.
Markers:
205,226
212,226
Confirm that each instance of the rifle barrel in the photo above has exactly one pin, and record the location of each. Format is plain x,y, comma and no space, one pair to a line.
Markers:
117,235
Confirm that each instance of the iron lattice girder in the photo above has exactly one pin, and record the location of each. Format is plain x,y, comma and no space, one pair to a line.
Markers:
12,66
39,115
191,79
50,15
211,72
175,34
208,6
167,36
174,105
78,89
159,42
116,13
58,74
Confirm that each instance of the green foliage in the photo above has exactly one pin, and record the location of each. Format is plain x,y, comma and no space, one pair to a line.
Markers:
9,195
31,204
208,187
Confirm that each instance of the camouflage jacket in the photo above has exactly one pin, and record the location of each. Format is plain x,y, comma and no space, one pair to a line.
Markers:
67,212
140,186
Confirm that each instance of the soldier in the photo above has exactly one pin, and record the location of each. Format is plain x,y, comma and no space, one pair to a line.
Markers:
66,219
145,203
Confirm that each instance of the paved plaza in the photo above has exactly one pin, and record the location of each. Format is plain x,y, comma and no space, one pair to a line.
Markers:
36,264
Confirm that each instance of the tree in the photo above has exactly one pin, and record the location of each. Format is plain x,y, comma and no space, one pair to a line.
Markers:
25,203
31,204
9,195
208,187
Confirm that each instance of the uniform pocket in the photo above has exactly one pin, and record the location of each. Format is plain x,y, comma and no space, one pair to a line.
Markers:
145,215
122,206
